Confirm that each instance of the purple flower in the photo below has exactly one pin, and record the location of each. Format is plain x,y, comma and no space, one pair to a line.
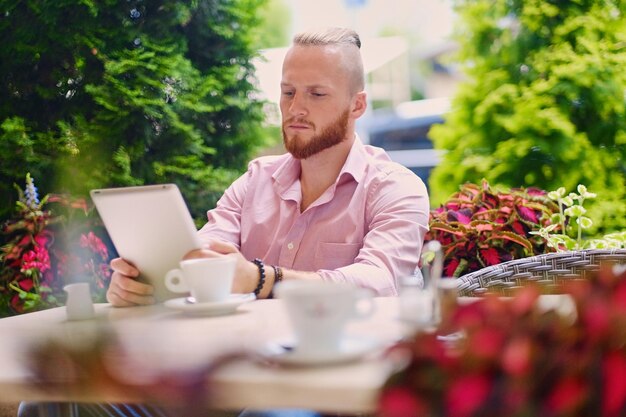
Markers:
30,193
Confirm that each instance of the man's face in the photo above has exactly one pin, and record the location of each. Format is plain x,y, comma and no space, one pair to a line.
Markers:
315,100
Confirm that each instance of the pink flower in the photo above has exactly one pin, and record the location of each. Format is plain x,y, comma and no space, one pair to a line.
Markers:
94,243
467,394
614,383
516,358
38,258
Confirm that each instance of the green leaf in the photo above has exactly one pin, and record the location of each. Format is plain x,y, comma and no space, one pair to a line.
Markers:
584,222
575,211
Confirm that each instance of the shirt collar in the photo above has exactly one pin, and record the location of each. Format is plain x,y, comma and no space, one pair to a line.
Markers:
286,177
356,163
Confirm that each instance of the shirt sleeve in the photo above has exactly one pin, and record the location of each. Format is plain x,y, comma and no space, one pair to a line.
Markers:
224,221
397,217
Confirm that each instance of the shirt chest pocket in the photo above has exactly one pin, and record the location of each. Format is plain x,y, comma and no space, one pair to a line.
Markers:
335,255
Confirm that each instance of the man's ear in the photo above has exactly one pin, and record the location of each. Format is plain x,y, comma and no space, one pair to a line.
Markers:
359,104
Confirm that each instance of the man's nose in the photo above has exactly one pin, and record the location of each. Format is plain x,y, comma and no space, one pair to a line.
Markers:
297,106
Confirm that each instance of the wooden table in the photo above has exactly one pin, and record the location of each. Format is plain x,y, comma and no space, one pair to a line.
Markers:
159,338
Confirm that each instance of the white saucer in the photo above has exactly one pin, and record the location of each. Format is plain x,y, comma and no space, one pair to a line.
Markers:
350,350
217,308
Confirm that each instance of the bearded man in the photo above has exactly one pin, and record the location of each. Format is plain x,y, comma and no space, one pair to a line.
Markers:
331,208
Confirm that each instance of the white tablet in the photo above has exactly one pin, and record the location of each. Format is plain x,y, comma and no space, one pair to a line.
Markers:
150,227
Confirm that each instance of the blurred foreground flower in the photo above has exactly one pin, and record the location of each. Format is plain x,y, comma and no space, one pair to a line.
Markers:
516,360
89,359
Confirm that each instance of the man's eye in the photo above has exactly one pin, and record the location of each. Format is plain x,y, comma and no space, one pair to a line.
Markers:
319,94
288,93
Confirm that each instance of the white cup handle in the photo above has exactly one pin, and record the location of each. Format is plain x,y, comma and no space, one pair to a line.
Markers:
364,304
174,281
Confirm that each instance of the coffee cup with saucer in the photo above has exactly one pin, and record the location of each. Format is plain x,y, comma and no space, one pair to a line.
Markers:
209,282
319,312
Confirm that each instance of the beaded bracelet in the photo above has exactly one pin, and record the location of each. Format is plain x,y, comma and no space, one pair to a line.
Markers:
259,263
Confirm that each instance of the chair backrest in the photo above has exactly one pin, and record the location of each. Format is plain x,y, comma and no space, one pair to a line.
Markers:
548,270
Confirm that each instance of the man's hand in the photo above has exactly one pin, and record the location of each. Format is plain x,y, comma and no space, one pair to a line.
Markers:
246,272
124,289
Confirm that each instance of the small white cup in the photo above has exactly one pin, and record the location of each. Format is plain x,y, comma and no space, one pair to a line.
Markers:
207,279
319,312
79,305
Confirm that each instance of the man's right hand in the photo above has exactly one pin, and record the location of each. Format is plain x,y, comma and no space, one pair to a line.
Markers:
124,289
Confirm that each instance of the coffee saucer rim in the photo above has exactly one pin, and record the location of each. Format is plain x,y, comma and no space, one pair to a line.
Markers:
353,348
215,307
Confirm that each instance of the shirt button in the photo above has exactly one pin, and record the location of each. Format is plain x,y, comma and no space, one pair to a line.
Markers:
290,245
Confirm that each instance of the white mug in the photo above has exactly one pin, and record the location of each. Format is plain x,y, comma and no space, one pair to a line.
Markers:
207,279
319,312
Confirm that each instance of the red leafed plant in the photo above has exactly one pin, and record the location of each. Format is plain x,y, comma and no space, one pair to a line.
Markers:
514,359
479,226
48,244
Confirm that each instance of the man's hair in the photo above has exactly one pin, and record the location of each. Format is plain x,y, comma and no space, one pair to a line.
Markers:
340,37
329,36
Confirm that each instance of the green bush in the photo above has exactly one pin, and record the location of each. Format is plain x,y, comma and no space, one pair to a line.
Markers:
543,103
117,93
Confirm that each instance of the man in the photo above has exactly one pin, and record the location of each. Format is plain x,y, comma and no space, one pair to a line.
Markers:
331,208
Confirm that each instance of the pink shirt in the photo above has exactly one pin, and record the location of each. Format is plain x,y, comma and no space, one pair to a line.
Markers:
368,228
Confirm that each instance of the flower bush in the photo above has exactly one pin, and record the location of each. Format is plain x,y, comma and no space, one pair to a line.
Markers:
479,226
516,360
49,243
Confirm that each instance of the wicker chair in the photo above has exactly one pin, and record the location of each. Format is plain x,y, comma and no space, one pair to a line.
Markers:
548,270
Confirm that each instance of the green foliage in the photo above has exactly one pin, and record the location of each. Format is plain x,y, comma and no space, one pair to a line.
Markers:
543,104
117,93
572,220
274,29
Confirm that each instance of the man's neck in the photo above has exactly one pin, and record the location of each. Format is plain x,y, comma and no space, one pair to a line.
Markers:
321,170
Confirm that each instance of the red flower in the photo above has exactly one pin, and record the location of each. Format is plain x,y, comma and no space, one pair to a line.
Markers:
597,318
614,383
467,394
486,343
26,284
17,304
400,402
566,396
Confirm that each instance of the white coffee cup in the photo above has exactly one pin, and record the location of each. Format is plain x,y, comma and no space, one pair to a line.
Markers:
207,279
319,312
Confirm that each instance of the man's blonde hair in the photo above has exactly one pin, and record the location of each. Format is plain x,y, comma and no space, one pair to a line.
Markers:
328,36
344,38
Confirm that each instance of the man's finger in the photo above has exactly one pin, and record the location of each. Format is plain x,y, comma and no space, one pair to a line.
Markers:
124,267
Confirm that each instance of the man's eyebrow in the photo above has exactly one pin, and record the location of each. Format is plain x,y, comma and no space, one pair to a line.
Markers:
310,87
